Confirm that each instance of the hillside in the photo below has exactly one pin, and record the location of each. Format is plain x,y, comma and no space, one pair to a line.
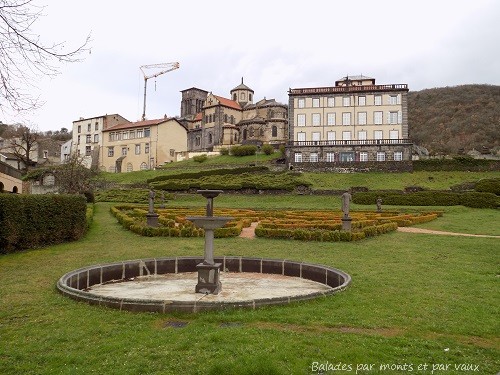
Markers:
448,119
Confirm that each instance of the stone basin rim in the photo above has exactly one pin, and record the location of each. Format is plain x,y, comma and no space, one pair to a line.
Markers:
74,283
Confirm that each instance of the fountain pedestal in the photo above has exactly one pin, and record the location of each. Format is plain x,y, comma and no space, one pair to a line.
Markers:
209,271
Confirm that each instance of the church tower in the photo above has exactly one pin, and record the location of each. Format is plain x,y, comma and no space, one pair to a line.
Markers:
242,94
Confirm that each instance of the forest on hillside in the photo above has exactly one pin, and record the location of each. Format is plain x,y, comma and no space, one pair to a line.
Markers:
451,120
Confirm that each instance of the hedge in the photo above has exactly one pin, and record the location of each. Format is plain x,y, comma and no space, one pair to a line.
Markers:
128,196
429,198
488,185
458,163
33,221
209,172
244,150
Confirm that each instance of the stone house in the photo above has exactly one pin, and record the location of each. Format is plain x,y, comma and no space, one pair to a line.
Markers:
134,146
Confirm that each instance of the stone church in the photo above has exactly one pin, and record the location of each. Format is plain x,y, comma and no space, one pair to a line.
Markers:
215,122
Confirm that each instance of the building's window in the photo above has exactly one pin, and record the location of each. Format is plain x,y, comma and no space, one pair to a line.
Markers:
252,132
132,134
301,103
245,134
89,127
112,169
96,138
242,96
78,141
210,118
261,132
235,97
274,131
378,134
380,156
393,99
232,119
130,168
147,132
88,138
313,157
301,137
361,118
316,137
363,156
330,157
347,157
330,102
124,151
236,137
79,128
88,150
377,117
172,152
361,100
346,118
330,119
346,101
138,149
146,148
315,102
206,117
301,120
378,99
393,134
125,135
398,156
346,136
330,136
298,157
316,119
210,138
45,154
250,97
393,117
140,133
362,136
225,117
143,166
197,141
96,126
111,152
118,136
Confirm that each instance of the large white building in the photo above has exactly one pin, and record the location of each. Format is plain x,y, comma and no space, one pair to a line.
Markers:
354,121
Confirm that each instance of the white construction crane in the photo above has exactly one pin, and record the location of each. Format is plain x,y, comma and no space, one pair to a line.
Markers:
165,68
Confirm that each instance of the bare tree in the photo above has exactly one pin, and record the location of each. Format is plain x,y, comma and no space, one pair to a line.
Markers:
24,56
23,143
74,178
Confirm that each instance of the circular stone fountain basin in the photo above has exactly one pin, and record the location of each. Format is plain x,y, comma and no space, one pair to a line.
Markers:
167,284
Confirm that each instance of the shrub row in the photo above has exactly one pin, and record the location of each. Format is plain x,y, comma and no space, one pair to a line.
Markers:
32,221
458,163
209,172
129,196
261,181
245,150
488,185
430,198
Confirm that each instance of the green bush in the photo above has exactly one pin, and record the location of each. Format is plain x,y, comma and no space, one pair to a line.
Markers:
458,163
200,158
488,185
32,221
479,200
268,149
245,150
210,172
224,151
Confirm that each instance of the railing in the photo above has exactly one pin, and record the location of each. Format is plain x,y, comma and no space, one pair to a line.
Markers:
356,142
339,89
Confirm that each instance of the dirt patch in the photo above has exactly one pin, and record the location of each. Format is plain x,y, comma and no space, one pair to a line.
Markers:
429,231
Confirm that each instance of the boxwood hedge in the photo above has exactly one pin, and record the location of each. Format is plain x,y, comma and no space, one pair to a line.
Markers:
32,221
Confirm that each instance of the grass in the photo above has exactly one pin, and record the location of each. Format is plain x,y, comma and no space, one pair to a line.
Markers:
414,299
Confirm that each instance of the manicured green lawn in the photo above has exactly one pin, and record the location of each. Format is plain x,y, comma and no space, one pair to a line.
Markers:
415,299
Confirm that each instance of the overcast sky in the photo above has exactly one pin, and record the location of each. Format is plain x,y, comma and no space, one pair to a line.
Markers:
274,45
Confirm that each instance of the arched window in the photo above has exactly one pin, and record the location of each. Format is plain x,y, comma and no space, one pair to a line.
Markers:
274,131
130,168
250,97
236,137
234,97
143,166
232,119
210,138
245,134
197,141
225,117
15,190
252,132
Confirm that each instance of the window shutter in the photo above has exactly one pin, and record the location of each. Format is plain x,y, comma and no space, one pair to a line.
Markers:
388,118
400,117
399,99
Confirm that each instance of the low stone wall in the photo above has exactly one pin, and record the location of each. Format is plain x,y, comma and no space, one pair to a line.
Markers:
354,167
75,283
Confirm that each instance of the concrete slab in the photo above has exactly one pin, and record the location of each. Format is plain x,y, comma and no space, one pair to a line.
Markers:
236,287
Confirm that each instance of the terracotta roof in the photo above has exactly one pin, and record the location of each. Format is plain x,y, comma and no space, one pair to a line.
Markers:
198,117
138,124
228,102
